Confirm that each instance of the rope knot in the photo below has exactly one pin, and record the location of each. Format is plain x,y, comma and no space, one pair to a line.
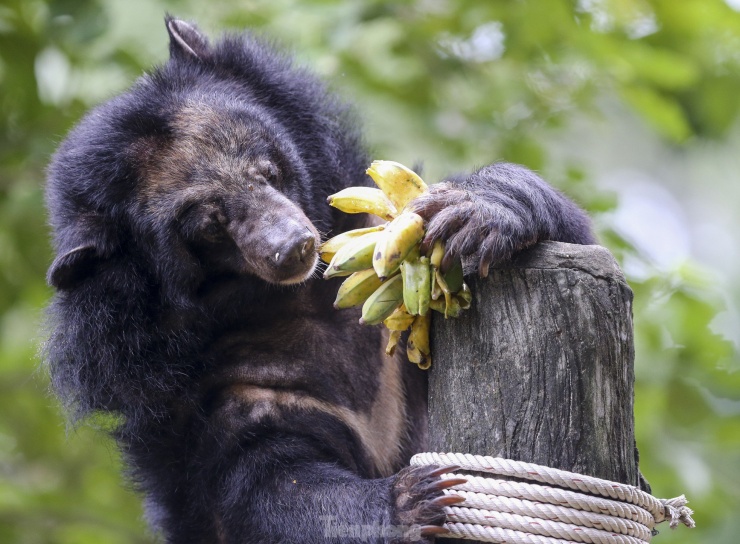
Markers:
676,510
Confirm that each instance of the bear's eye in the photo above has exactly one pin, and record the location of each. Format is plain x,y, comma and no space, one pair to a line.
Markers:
202,222
271,173
263,171
213,227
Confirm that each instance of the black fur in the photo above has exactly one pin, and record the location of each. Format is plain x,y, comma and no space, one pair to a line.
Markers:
185,215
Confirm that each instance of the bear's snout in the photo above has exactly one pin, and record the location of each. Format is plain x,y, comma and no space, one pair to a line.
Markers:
277,241
292,250
299,249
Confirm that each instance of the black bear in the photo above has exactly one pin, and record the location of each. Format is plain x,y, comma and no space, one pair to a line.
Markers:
186,215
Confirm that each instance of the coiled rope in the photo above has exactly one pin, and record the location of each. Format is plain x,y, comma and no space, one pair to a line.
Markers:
595,511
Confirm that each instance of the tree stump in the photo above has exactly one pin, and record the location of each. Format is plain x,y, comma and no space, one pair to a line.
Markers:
540,369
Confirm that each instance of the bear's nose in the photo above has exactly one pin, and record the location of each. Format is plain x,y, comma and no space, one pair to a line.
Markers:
307,248
299,249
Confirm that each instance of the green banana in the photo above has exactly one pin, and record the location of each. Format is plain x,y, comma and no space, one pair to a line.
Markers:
363,200
356,289
417,285
399,320
396,241
355,255
454,278
418,349
464,296
453,309
454,303
383,301
401,184
328,249
445,289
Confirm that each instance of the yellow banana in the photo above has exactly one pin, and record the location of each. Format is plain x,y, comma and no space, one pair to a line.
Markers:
454,276
363,200
445,289
436,290
401,184
393,339
355,255
464,296
399,320
396,241
417,285
419,336
414,355
438,251
356,289
383,301
454,309
418,349
328,249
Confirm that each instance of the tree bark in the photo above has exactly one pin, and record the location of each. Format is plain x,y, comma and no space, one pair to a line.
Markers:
540,369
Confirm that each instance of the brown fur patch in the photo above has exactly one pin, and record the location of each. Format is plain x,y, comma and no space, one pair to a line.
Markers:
203,138
381,428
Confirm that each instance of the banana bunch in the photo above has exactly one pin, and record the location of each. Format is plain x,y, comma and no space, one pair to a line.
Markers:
388,276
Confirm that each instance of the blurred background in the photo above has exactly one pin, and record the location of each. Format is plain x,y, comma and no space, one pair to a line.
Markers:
629,106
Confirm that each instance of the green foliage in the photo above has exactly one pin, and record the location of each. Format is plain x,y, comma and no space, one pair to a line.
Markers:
455,84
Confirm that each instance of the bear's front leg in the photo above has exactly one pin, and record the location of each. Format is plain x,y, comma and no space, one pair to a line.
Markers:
321,503
497,211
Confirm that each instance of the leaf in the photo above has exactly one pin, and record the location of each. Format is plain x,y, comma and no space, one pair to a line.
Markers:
661,112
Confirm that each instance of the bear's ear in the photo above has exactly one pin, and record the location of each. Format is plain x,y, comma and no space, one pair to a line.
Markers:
73,266
186,41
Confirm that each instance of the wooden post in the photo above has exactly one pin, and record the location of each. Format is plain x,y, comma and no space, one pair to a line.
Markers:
540,369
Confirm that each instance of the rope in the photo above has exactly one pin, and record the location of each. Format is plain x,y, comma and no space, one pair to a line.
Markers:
595,511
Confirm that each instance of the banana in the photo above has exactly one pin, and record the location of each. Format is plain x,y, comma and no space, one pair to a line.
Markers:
417,285
454,303
454,278
356,289
372,258
393,339
396,241
419,336
401,184
435,259
363,200
417,348
328,249
445,289
438,251
454,309
355,255
414,355
399,320
436,290
383,301
464,296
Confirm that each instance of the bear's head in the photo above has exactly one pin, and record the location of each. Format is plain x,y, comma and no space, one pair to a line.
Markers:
194,173
227,182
